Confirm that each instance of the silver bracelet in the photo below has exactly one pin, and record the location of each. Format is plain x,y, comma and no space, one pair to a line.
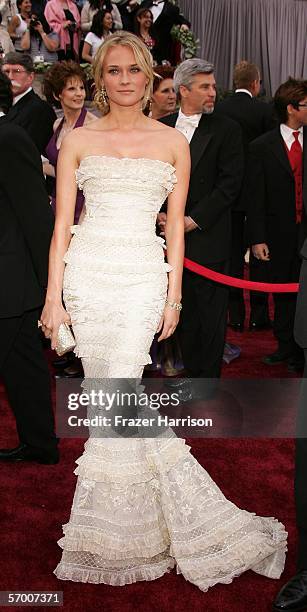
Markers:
174,305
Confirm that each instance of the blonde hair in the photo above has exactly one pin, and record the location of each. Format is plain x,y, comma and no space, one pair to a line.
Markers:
143,59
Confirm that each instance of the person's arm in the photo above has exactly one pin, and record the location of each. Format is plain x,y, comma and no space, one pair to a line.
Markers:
12,25
86,52
174,234
51,45
207,211
25,41
48,169
53,313
86,21
256,210
117,20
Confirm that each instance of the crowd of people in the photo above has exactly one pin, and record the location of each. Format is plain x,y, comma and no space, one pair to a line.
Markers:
246,189
63,29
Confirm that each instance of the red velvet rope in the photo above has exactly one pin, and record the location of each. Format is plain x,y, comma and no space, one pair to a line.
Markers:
238,282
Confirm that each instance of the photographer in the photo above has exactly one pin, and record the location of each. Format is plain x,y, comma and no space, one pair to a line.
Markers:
19,23
64,19
39,41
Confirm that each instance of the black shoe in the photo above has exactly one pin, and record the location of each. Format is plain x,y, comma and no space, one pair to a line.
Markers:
182,387
188,390
275,358
293,595
238,327
253,326
23,452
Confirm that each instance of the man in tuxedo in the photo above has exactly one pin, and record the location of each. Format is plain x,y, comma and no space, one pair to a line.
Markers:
127,9
216,175
293,596
277,224
26,224
28,110
165,16
255,118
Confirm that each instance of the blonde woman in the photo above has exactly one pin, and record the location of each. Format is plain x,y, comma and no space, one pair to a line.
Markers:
141,505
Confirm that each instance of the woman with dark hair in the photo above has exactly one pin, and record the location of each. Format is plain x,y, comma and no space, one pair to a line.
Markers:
91,7
101,28
143,21
19,23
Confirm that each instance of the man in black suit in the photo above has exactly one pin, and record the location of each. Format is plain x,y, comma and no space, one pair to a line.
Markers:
26,224
165,16
277,224
255,118
28,110
216,175
293,596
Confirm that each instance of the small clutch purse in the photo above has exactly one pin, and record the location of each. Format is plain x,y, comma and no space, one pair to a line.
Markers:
66,341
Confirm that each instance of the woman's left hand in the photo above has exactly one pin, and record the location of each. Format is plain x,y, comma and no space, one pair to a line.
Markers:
168,323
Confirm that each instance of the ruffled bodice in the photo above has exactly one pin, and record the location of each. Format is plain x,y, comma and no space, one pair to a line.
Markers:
122,199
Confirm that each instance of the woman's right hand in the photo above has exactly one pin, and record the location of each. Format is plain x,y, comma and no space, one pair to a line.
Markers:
51,318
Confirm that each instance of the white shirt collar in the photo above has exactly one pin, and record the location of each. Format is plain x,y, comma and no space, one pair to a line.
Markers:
157,9
181,115
17,98
287,135
2,114
242,90
185,127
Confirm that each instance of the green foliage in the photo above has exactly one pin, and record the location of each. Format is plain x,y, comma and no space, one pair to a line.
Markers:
187,39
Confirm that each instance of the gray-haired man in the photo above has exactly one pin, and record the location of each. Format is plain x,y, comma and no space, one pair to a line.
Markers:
216,174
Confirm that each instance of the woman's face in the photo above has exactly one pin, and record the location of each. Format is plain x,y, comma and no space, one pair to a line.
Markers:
107,21
123,79
26,6
145,20
72,97
164,97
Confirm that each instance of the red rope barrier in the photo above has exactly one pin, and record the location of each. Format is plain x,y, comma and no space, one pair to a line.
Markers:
238,282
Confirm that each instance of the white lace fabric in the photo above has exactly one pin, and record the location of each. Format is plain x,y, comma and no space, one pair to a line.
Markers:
141,506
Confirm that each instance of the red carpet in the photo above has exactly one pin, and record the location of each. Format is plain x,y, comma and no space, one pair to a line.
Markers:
255,474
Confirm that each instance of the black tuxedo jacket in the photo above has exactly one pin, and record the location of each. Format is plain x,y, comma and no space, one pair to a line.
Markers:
36,117
169,16
26,223
271,208
216,175
255,118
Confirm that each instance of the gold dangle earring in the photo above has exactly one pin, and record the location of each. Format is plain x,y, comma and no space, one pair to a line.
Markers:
104,96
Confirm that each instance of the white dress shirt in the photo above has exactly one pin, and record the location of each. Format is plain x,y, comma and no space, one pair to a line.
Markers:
187,124
17,98
287,134
1,113
157,9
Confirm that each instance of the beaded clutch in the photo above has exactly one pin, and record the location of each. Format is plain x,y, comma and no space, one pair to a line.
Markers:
66,341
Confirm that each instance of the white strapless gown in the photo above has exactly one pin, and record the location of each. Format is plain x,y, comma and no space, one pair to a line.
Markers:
141,506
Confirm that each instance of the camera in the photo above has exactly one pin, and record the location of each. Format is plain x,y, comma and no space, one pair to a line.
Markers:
34,21
72,27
